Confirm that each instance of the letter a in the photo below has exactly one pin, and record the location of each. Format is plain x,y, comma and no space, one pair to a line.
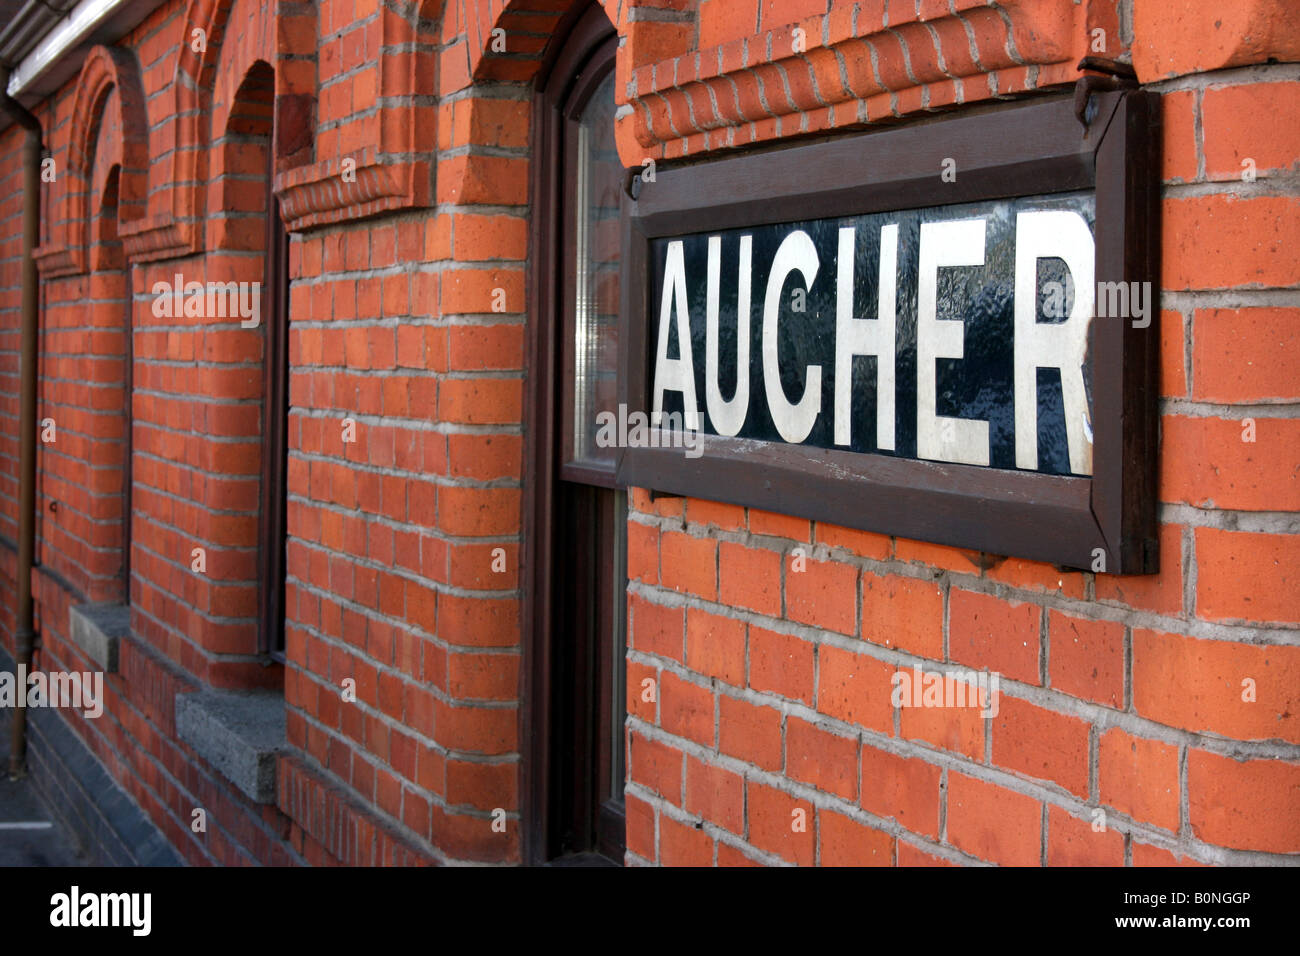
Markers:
675,375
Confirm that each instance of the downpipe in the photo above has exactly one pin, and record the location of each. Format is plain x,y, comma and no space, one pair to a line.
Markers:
24,630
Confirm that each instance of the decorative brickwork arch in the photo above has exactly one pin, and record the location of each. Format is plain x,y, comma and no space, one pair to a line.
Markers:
370,161
284,35
108,558
102,176
518,55
108,90
697,80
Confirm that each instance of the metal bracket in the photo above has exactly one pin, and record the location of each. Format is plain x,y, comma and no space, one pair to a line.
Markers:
1115,76
632,186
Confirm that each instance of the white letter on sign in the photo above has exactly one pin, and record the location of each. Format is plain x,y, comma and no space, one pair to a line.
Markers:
727,416
794,422
1046,235
963,440
676,375
866,337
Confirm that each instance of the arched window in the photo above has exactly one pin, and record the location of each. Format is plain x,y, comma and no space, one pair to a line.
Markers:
248,238
579,578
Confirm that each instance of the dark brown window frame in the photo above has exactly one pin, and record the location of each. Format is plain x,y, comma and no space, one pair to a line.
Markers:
583,31
272,532
1021,150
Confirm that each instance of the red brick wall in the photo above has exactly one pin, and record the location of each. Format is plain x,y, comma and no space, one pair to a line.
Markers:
1125,694
402,164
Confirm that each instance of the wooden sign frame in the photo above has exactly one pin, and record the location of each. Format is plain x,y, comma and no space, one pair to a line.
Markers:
1103,522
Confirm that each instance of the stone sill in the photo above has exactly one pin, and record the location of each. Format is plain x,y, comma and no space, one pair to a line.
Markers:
239,733
98,629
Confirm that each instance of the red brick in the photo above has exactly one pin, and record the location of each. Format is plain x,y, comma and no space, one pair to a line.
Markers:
1074,842
957,729
482,785
845,842
656,629
1146,855
993,823
909,855
1222,242
640,827
1246,355
1179,152
686,709
821,758
987,632
1250,121
780,664
1197,685
905,789
1086,658
777,525
1174,40
863,544
1244,804
905,613
714,514
1246,576
715,646
655,766
730,856
823,594
485,347
490,237
1043,744
749,578
715,794
723,20
637,706
1205,463
772,821
855,688
937,556
1036,576
1173,374
683,845
642,552
749,733
689,564
1139,778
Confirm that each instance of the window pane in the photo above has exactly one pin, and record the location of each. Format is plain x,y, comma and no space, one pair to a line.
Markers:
595,327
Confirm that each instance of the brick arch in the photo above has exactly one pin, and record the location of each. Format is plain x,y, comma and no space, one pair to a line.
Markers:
108,559
105,244
220,41
242,128
368,165
530,26
108,89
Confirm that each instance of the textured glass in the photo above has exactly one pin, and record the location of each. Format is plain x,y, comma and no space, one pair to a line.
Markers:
595,329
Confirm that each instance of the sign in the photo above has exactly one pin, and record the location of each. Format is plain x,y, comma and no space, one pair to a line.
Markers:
945,332
954,333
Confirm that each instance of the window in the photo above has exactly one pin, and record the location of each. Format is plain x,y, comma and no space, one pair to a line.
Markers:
578,518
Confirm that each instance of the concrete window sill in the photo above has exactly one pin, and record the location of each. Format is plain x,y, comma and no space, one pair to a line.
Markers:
98,629
239,733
